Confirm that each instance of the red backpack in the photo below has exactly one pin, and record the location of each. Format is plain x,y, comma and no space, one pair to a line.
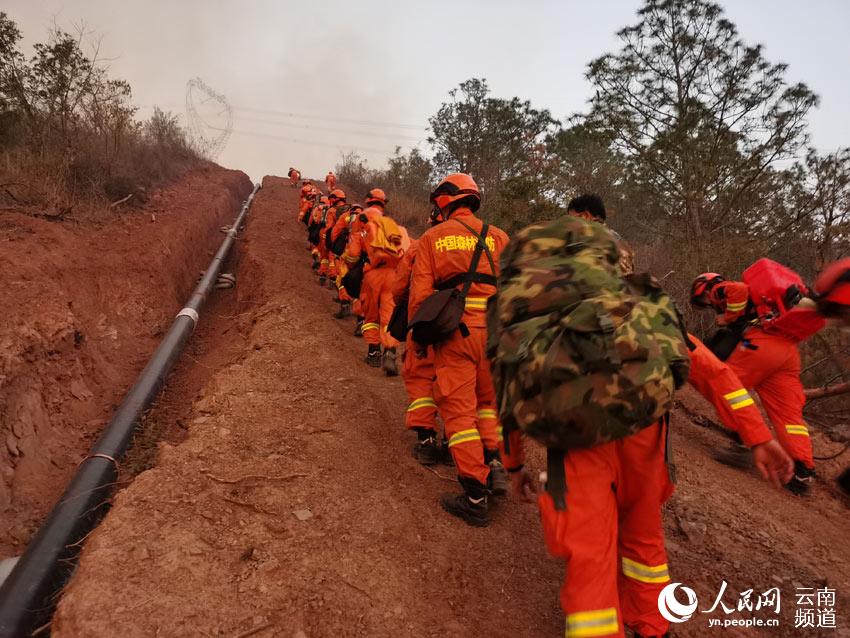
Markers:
775,291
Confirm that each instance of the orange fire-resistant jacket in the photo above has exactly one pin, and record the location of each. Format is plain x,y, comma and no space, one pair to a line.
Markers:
445,251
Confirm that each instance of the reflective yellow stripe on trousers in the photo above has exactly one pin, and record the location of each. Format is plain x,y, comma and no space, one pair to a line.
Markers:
487,414
646,573
587,624
464,436
424,402
370,326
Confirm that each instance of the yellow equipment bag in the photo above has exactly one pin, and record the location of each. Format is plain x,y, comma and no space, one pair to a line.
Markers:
388,236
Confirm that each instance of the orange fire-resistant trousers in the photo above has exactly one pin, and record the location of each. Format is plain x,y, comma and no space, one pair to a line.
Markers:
377,304
467,401
418,376
772,369
611,535
327,265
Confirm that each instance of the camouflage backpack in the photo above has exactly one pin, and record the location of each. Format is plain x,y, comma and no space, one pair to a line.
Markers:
580,355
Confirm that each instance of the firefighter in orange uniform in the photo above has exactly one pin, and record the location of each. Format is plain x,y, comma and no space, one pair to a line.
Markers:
344,225
330,181
766,362
833,303
610,532
316,216
464,388
294,176
417,369
832,290
327,265
376,292
354,254
308,200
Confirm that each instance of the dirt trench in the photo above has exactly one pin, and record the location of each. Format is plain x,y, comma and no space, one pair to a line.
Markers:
84,305
292,506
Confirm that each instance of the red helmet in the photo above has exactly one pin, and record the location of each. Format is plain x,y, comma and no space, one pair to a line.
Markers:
324,200
456,187
703,285
337,194
376,196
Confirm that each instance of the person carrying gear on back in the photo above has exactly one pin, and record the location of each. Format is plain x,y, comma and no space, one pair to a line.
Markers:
459,259
308,201
340,236
587,363
327,263
417,370
294,176
330,181
592,208
767,360
383,250
314,228
354,258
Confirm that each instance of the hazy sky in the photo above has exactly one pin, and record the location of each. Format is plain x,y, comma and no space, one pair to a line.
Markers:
308,82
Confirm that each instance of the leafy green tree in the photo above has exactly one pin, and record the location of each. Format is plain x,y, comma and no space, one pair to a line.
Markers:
409,174
500,142
701,117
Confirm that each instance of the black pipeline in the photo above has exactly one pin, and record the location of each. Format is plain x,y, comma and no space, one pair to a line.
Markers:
29,594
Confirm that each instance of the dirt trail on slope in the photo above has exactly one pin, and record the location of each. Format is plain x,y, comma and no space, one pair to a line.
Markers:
293,507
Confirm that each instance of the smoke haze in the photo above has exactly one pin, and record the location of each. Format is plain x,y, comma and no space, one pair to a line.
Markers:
309,82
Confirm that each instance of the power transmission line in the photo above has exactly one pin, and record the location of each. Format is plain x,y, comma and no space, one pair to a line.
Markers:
303,116
313,143
331,130
197,94
333,119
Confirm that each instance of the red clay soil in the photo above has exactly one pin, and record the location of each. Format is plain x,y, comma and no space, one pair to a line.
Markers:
293,507
84,305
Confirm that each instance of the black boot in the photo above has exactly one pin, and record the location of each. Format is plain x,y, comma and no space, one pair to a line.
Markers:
497,480
425,449
358,327
471,506
445,454
801,482
315,265
389,363
373,356
322,280
344,311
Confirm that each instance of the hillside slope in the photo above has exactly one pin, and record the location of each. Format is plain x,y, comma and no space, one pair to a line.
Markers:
293,506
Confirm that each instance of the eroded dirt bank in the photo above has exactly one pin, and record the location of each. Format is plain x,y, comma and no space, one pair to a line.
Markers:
83,308
293,507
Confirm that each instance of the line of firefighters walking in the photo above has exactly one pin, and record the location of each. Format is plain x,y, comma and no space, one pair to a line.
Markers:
604,514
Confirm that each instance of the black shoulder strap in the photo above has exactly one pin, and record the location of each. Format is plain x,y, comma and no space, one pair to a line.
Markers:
556,478
482,241
480,247
472,274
